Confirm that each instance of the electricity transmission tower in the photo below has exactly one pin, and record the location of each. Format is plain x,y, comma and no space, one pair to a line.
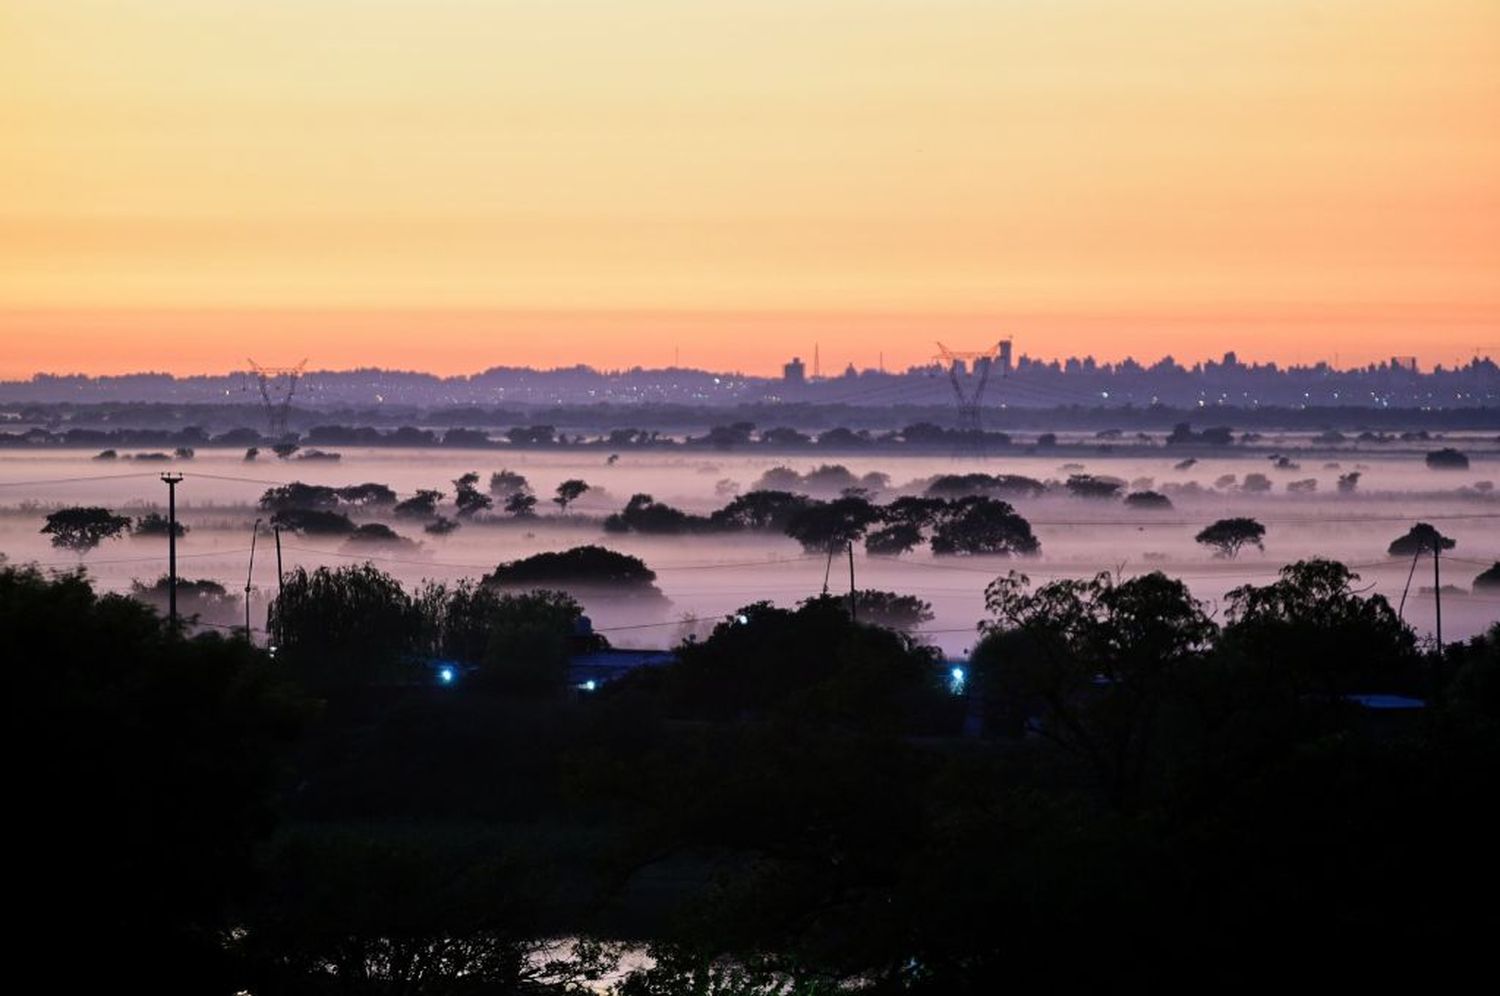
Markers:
278,385
969,372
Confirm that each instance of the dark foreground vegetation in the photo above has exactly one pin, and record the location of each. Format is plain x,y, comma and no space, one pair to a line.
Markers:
414,795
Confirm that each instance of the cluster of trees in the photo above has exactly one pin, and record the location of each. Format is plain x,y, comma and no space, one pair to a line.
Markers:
355,626
322,510
802,801
152,768
1160,787
198,601
973,524
824,480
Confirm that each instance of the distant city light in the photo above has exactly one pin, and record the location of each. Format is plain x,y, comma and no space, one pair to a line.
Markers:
446,675
589,686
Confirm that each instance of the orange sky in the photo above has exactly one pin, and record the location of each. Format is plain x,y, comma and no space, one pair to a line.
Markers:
454,184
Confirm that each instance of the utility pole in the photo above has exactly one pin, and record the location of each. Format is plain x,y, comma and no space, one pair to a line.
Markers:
1437,592
250,573
171,481
271,628
853,616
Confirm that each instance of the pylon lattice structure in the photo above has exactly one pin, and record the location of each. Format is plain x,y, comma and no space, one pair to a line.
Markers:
969,372
278,385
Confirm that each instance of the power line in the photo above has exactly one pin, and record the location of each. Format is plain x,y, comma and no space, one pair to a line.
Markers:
706,566
74,480
133,560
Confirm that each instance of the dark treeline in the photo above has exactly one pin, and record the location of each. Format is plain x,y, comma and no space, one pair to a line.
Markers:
105,425
413,794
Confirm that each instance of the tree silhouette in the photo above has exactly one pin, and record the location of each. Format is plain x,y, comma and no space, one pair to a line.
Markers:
568,492
1421,538
891,609
369,493
1090,486
1228,536
313,522
467,496
82,528
504,483
156,524
441,526
980,525
827,527
1148,500
1447,458
422,505
298,495
346,626
155,769
893,540
1099,657
644,514
760,509
591,570
1310,632
521,504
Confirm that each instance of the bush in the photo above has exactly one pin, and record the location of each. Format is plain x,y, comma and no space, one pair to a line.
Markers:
313,522
156,524
1148,500
1447,458
581,566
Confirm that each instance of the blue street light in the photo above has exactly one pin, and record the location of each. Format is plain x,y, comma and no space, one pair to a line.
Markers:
446,675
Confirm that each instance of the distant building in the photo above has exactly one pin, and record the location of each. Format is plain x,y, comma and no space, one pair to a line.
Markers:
794,372
1005,357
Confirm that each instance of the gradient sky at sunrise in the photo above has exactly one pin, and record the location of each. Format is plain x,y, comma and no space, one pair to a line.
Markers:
454,184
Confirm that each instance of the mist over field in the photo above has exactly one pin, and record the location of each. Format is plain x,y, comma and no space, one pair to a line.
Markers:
706,576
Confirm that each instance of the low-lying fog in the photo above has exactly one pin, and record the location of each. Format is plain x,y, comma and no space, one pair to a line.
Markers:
708,576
